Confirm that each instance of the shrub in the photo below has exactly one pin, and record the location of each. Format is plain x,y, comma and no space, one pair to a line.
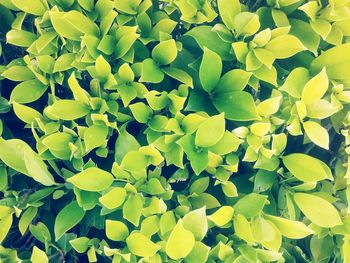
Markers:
174,131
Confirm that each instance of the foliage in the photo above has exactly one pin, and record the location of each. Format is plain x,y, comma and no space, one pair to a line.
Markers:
174,131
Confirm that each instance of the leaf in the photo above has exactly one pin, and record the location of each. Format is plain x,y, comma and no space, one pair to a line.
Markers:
78,92
20,38
25,113
114,198
165,52
134,161
196,222
303,31
141,112
28,91
200,253
132,209
318,210
285,46
39,256
246,23
336,61
250,205
180,242
289,228
228,9
234,80
315,88
95,136
92,179
125,143
243,229
6,220
37,168
80,244
222,216
205,37
295,82
116,230
73,24
210,70
18,73
227,144
26,219
141,246
317,134
31,6
19,156
68,109
67,218
151,72
103,69
306,168
210,131
238,106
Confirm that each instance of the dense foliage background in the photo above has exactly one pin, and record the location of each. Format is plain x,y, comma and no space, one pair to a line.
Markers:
174,131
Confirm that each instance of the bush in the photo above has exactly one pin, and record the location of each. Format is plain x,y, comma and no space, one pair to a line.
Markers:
174,131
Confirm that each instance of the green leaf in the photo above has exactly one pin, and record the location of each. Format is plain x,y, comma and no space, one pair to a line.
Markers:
67,218
141,112
234,80
336,61
228,9
196,222
141,246
116,230
103,69
132,209
318,210
39,256
289,228
210,131
134,161
165,52
243,229
151,72
227,144
125,143
285,46
222,216
246,24
206,37
6,220
20,38
26,219
18,73
114,198
80,244
250,205
19,156
315,88
317,134
238,106
25,113
200,253
92,179
210,70
28,91
31,6
95,136
306,168
73,24
295,82
68,109
180,242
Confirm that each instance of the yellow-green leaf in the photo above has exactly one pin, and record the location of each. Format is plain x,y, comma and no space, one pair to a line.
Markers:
318,210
